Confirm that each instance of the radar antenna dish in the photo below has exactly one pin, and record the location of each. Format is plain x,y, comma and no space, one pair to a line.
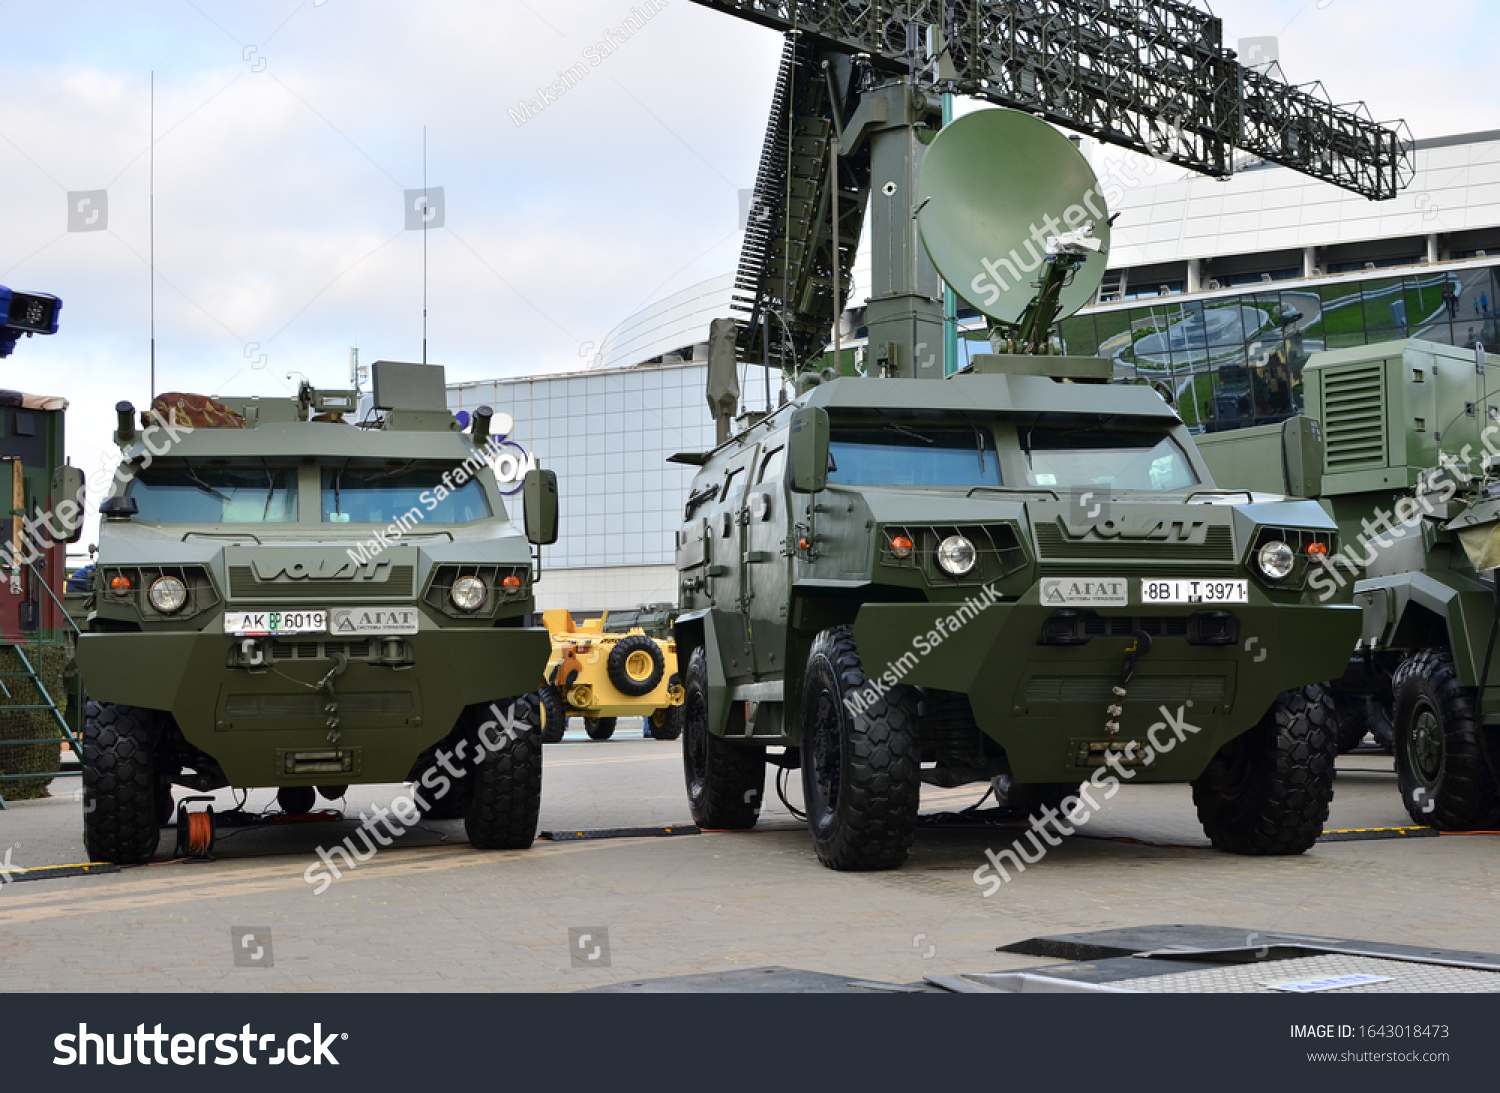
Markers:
998,192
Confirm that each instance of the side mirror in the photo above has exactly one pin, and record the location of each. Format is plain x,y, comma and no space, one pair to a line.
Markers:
68,503
1302,456
807,450
539,500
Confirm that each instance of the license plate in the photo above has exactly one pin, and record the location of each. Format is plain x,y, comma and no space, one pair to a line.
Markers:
1194,591
271,622
373,620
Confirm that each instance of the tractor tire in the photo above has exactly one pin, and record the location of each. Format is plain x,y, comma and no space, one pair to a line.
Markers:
554,715
600,728
861,772
1267,791
120,793
666,723
1351,721
296,800
505,795
724,781
636,666
1442,769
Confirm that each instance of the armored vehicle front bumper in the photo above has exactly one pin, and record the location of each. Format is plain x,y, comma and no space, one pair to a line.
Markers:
270,724
1041,688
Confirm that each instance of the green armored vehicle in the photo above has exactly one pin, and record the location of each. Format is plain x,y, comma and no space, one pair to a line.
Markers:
283,597
1411,474
1019,574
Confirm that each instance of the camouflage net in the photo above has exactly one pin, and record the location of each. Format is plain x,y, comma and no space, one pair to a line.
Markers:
194,411
30,724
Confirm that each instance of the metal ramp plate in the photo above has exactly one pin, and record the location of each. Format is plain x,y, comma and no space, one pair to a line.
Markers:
1400,977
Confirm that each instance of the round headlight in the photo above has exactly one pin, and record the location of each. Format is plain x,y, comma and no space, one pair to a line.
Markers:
468,593
956,555
1275,560
168,594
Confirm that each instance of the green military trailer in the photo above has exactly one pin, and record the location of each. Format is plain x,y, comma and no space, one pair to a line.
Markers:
1410,471
286,597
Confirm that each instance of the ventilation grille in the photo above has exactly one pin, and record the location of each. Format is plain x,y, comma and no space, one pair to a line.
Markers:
1354,418
351,704
1052,544
1098,690
244,585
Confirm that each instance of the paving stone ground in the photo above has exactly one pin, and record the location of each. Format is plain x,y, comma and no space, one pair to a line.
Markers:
431,914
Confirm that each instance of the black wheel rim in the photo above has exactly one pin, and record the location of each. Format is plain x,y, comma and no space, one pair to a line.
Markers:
1424,744
824,756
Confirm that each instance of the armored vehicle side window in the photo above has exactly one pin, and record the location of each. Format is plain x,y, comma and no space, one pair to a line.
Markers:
922,456
186,494
1069,458
772,464
731,483
378,493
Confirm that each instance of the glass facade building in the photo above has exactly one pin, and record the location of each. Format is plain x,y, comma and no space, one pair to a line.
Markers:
607,434
1234,357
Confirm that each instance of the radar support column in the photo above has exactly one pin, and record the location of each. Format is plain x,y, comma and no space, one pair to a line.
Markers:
905,312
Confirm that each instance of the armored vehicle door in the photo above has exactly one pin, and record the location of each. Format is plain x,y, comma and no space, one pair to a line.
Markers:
767,564
727,587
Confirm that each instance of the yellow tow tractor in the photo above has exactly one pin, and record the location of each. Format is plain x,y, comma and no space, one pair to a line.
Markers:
602,677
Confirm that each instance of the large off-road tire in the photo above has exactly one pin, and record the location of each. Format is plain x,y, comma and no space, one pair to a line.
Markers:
635,665
861,772
1441,766
1267,791
666,723
554,715
1351,721
600,728
120,792
505,794
724,781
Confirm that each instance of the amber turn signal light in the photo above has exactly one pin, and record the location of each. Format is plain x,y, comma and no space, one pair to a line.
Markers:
901,547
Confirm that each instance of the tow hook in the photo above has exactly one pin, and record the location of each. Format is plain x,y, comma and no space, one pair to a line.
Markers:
331,707
1140,645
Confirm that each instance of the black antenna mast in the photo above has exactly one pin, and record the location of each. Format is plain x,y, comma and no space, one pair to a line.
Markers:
425,217
153,235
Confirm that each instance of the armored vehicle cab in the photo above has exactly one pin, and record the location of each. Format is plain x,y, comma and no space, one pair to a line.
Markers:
285,597
1019,574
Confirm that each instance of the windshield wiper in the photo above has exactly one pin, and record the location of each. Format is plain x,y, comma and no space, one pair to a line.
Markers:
905,431
205,487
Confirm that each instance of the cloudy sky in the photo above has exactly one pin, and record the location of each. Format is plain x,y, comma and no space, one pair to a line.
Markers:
288,130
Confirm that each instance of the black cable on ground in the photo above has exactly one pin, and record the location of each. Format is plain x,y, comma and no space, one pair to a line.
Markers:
797,814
